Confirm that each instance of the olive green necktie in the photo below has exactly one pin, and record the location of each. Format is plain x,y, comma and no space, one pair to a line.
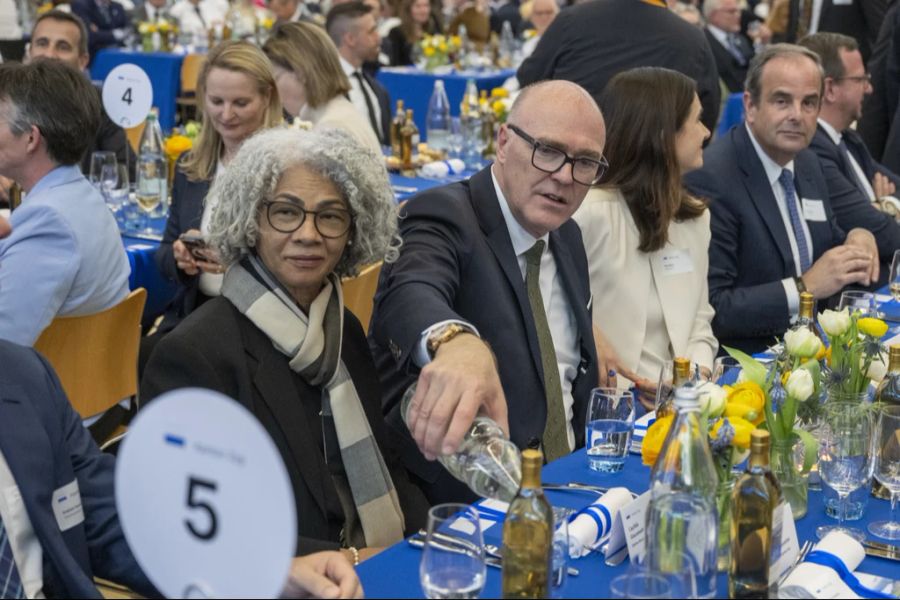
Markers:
556,436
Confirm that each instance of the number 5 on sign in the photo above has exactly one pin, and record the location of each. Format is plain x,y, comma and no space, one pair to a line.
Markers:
187,490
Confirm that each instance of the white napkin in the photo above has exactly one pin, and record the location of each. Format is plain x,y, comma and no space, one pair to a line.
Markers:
819,580
594,523
441,168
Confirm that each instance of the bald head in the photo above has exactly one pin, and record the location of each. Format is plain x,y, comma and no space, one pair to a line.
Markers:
556,119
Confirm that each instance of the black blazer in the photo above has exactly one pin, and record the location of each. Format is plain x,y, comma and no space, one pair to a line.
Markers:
397,47
592,42
860,19
851,207
185,213
47,447
384,103
218,348
731,72
750,253
457,262
880,106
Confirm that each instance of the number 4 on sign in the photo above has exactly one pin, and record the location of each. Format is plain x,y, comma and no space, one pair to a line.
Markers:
195,483
126,97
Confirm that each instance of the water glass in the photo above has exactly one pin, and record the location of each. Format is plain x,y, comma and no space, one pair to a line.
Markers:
609,426
726,370
640,584
858,301
452,563
845,457
559,559
887,468
455,139
99,160
894,279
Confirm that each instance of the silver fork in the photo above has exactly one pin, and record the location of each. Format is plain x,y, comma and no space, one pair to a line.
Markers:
804,550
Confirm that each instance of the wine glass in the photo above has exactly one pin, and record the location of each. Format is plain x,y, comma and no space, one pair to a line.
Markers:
894,279
858,301
455,140
115,186
887,469
845,457
452,563
100,160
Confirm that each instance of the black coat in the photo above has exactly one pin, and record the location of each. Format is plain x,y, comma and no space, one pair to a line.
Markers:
731,71
185,213
457,262
220,349
101,26
592,42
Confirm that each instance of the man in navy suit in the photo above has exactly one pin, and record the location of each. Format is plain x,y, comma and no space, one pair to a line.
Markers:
106,20
855,181
731,50
489,301
773,232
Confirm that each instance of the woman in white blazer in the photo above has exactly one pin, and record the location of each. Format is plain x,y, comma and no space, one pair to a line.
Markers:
646,239
312,85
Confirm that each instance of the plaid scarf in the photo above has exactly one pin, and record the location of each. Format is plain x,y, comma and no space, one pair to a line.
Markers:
313,345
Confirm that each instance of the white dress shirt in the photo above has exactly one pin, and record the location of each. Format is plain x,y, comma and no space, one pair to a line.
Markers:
212,11
26,548
356,94
836,137
773,172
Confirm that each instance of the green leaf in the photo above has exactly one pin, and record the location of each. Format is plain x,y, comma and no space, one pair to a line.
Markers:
753,370
810,449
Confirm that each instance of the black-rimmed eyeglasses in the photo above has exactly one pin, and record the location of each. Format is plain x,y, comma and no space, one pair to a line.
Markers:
287,217
549,159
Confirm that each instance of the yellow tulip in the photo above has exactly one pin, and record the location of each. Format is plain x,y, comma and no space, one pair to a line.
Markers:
748,393
442,47
873,327
428,51
653,440
742,429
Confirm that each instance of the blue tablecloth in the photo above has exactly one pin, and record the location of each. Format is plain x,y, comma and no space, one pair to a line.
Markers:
163,68
395,572
414,86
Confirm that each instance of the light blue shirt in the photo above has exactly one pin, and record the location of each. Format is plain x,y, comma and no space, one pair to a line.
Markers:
64,257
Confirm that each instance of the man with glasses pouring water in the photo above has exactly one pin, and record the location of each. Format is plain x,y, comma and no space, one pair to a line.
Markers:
489,303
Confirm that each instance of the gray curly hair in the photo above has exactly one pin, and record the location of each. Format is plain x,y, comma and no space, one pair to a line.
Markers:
357,173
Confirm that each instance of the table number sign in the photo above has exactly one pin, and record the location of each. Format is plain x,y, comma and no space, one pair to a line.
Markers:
204,498
127,95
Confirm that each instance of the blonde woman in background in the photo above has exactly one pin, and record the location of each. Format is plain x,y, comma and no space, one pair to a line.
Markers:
311,83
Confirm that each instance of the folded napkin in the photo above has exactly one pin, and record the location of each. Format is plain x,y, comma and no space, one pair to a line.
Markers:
588,527
827,571
442,168
640,430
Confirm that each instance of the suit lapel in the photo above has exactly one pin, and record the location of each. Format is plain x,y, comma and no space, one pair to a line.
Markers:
487,208
274,382
565,266
856,146
760,192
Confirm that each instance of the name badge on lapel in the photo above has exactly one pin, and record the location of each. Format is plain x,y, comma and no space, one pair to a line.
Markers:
67,506
676,261
813,210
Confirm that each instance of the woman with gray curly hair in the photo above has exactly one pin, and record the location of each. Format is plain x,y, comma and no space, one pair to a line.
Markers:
296,210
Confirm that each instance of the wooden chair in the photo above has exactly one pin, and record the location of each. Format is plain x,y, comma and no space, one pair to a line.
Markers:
190,73
359,293
134,136
95,358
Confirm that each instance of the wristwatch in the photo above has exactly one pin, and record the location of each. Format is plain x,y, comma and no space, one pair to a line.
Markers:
444,334
801,287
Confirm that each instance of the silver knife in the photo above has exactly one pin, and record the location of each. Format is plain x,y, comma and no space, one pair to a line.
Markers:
886,548
575,487
418,542
881,553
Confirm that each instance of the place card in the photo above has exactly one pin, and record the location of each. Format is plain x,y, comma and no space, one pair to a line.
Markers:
628,532
188,481
783,556
127,95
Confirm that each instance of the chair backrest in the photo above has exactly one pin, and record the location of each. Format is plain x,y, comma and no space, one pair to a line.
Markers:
134,136
190,72
95,356
359,293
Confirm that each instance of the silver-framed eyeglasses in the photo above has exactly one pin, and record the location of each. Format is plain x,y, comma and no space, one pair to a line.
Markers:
549,159
867,78
287,217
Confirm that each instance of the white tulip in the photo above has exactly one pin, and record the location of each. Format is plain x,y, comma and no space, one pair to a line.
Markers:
712,399
835,323
802,342
800,385
878,368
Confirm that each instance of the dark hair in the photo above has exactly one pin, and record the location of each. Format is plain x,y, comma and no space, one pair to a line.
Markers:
55,98
408,27
644,109
753,83
59,15
828,47
339,17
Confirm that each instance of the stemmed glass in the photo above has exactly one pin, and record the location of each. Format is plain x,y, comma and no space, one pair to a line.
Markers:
858,301
452,563
115,186
887,469
103,168
845,457
455,141
894,279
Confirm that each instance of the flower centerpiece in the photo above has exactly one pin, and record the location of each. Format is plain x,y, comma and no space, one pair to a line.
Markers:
156,36
264,24
501,103
438,49
176,145
855,355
